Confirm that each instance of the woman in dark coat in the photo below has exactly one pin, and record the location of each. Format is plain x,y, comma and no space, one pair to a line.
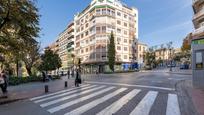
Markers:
78,78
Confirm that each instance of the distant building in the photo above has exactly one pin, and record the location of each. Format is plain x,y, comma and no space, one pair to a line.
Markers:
54,47
141,52
198,44
65,44
162,54
93,27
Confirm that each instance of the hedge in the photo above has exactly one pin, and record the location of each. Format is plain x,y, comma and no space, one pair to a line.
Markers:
21,80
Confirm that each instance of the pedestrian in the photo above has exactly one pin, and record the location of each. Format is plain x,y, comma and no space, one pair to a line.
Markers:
68,74
44,76
3,82
78,78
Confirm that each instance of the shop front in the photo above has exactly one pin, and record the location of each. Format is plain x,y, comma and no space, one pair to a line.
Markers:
198,62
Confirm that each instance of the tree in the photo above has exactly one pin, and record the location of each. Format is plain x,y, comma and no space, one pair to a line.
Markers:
31,56
50,61
19,25
150,59
111,52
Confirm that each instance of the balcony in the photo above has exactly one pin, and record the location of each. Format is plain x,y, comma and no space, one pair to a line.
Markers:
198,14
199,31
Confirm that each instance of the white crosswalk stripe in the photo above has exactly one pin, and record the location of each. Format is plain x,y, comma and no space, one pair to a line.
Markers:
71,96
110,110
92,104
145,104
76,101
172,105
55,109
64,94
39,97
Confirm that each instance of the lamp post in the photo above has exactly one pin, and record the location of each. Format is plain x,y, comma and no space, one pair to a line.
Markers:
170,48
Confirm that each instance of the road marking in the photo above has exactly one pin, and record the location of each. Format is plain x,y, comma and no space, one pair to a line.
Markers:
141,86
92,104
145,104
113,108
63,106
39,97
172,105
63,94
71,96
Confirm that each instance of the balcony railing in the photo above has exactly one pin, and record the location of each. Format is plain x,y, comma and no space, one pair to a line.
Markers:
198,14
199,30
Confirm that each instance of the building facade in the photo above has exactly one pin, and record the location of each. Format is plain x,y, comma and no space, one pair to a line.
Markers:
198,44
93,27
142,49
65,43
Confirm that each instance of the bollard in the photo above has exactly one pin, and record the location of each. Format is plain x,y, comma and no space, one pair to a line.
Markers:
46,89
65,84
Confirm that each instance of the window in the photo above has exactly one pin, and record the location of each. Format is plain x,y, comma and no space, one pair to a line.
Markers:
87,25
103,11
119,30
98,29
87,41
140,48
118,13
103,29
87,33
82,51
125,48
125,32
118,47
125,16
119,39
98,12
125,24
82,35
77,37
82,20
199,60
82,28
91,48
87,49
125,56
113,13
118,22
125,40
108,11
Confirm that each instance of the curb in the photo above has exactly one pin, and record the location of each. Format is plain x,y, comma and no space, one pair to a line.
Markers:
9,101
179,73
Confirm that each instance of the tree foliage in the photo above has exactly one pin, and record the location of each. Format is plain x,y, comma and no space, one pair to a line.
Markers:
19,28
111,52
50,61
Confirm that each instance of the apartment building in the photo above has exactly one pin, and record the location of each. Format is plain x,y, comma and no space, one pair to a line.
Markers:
65,42
163,54
142,49
198,44
93,27
54,46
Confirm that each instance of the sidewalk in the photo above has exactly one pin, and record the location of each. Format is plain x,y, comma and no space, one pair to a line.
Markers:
180,71
29,90
193,94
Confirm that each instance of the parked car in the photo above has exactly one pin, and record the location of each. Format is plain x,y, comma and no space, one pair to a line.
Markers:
184,66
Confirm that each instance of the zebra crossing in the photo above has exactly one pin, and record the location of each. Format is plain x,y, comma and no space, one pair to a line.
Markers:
88,97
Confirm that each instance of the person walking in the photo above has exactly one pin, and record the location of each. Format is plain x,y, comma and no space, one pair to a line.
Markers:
78,78
68,73
3,82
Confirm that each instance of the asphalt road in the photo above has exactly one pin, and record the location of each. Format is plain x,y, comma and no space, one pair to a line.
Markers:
140,93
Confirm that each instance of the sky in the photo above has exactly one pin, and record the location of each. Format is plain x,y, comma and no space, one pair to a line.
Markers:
160,21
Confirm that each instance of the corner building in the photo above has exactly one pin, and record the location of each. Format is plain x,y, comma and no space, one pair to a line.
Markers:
93,27
198,44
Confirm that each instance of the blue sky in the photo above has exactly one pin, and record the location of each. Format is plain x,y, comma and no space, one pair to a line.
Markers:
160,21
